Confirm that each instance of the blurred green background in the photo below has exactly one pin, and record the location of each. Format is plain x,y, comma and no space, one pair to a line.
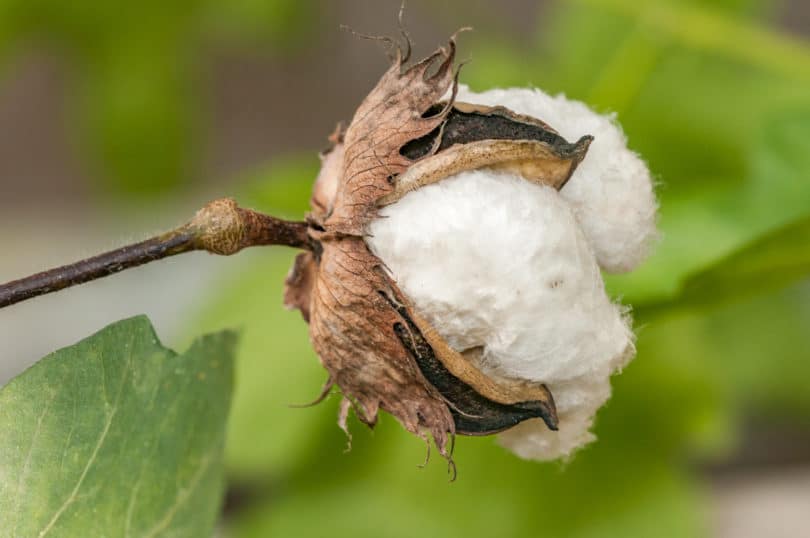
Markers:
120,118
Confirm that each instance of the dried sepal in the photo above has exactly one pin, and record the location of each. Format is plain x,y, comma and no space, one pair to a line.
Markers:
299,282
353,329
476,136
326,184
392,115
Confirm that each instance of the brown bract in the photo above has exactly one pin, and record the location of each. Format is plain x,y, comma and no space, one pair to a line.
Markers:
369,337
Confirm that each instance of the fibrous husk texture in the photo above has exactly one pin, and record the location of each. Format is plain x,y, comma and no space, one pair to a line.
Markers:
351,319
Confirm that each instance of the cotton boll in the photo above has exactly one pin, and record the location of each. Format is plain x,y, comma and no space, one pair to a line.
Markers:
611,192
496,262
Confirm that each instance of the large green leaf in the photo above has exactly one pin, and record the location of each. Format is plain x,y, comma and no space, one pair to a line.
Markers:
116,436
771,262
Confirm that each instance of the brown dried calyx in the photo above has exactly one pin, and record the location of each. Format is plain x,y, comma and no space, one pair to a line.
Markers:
369,337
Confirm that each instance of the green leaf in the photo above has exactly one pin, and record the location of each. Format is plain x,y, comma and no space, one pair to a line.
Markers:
771,262
116,436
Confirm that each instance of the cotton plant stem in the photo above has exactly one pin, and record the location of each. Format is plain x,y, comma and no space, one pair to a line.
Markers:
221,227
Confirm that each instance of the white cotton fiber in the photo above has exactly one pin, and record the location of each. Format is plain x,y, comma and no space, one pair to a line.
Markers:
492,260
511,267
611,192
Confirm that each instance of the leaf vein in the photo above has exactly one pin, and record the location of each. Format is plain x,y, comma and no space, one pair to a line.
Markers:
108,423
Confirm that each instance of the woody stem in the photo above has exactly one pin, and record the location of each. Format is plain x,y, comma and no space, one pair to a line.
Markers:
221,227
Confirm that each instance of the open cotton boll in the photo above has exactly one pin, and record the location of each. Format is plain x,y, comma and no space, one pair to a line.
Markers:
495,262
611,192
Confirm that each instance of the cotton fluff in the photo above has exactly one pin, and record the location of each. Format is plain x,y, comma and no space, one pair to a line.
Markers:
510,267
611,191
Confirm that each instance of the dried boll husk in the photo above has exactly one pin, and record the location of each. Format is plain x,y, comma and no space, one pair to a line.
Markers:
371,337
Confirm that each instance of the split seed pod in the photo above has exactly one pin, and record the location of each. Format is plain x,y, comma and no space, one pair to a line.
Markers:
377,344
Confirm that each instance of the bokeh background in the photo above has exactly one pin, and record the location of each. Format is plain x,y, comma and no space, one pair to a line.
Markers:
118,119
